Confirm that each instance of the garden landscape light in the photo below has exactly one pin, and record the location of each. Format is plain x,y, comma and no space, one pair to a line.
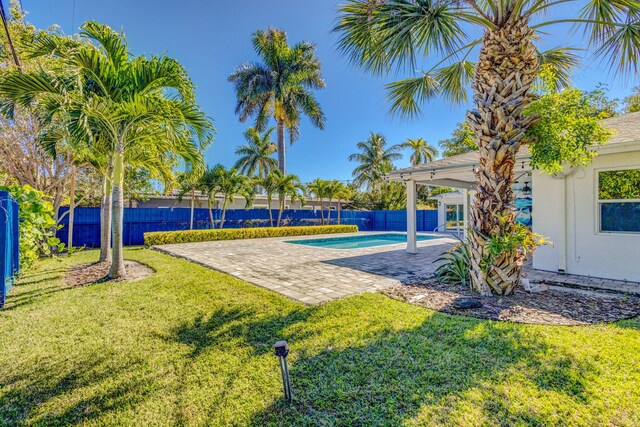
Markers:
282,350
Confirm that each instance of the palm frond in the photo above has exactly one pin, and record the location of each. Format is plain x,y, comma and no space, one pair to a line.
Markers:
622,47
453,80
563,60
406,95
381,35
613,27
113,43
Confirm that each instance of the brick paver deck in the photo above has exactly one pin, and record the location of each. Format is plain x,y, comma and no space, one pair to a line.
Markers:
314,275
310,274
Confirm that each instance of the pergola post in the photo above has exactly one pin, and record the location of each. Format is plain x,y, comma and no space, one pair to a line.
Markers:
412,246
466,211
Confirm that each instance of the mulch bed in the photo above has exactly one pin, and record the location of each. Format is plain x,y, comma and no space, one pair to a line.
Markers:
549,307
88,274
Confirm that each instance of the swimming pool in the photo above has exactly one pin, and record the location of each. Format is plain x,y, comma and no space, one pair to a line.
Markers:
363,241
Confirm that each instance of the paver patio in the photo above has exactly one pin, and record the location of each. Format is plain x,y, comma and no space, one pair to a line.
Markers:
310,274
314,275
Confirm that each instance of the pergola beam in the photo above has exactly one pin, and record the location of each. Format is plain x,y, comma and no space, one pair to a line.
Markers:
448,182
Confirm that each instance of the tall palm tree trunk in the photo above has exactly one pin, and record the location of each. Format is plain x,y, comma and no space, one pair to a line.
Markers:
193,205
339,210
321,212
282,149
224,211
506,70
281,197
329,212
105,218
270,213
213,224
117,269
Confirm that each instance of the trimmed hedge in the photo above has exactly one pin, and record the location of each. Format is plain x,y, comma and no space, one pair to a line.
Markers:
188,236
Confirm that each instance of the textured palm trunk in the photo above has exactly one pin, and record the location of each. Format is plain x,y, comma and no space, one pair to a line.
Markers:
506,70
321,212
224,211
281,197
117,269
282,150
193,206
105,218
339,210
213,224
270,212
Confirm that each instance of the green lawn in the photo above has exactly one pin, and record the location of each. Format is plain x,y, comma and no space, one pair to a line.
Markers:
190,346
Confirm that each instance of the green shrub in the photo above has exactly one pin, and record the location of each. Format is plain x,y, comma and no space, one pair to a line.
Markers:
456,266
187,236
37,226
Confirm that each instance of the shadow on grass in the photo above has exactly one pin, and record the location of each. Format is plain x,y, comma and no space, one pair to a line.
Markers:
24,276
390,380
24,298
31,297
391,376
231,324
111,385
388,374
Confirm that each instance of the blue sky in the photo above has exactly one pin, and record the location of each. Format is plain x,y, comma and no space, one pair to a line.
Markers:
212,37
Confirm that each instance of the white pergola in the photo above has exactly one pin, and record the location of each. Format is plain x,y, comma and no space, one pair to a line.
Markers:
456,172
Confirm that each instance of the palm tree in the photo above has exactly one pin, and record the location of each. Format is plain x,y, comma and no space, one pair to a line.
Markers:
207,184
343,193
318,188
229,183
255,156
287,186
334,189
103,94
279,87
270,186
402,34
188,182
375,160
421,150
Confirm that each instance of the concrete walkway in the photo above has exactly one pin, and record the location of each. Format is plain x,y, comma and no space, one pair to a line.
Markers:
310,274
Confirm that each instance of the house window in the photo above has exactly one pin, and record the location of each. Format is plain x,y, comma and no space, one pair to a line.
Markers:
619,200
454,217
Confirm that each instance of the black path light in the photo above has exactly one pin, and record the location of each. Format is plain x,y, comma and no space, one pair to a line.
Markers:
282,350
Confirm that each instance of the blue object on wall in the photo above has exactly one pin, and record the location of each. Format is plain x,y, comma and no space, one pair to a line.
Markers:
523,207
9,243
137,221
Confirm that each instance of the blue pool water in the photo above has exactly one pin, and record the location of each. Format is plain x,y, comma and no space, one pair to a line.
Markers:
363,241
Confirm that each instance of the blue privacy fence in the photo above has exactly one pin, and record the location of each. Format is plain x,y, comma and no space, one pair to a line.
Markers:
9,243
137,221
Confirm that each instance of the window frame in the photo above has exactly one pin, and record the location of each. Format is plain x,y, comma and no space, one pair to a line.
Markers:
600,202
459,212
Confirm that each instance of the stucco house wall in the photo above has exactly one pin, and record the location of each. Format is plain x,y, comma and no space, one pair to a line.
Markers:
579,247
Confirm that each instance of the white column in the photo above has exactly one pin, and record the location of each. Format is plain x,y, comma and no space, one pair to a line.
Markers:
466,204
412,247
